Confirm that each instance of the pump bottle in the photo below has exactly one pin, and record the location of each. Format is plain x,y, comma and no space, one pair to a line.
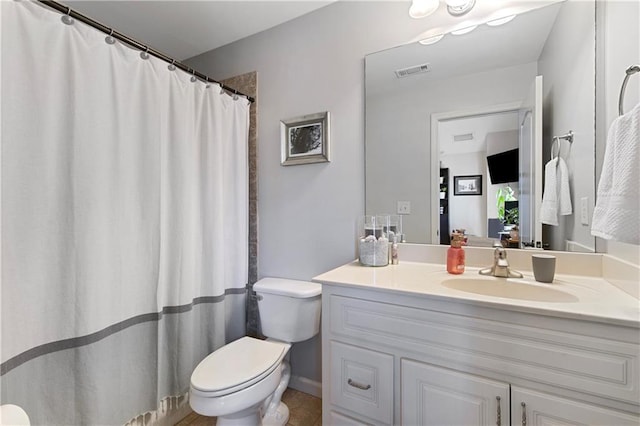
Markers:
455,255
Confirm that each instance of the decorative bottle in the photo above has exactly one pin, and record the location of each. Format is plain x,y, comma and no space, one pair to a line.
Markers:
394,250
455,255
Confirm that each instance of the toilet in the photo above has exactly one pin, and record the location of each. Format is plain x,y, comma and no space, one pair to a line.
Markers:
242,382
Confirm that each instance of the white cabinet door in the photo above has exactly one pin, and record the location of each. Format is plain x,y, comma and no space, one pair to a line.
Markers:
438,396
531,408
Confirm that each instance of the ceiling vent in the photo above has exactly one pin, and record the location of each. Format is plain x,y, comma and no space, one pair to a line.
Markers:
416,69
463,137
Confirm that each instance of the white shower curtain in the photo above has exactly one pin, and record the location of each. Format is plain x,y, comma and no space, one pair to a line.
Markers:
124,222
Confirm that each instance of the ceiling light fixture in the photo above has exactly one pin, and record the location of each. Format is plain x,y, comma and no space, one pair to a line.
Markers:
430,40
423,8
459,7
464,30
501,21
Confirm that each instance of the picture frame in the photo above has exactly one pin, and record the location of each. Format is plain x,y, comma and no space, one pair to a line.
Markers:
467,185
305,139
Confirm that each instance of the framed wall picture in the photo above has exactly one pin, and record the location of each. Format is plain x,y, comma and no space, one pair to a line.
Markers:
467,185
305,139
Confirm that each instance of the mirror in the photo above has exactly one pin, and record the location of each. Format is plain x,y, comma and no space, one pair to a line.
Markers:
445,110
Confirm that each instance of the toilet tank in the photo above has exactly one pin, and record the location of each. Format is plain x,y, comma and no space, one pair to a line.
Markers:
289,309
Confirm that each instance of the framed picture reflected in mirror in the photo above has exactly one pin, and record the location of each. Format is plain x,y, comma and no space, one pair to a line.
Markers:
467,185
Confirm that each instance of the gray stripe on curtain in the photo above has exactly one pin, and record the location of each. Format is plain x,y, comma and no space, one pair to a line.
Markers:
75,342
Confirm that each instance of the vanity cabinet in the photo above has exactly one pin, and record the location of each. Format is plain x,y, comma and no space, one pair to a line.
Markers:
403,359
438,396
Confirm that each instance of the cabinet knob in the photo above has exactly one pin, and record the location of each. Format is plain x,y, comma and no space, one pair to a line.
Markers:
358,385
499,413
524,413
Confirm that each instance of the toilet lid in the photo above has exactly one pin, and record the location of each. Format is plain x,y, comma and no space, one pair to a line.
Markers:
237,365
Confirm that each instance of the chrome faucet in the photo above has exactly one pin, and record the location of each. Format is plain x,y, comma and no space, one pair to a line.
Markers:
500,266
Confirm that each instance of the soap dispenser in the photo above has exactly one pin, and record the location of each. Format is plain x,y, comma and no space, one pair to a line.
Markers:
455,255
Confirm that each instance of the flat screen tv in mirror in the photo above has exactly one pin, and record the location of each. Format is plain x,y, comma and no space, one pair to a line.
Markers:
504,167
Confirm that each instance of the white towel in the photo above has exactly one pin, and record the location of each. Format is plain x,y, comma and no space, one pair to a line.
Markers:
617,212
556,198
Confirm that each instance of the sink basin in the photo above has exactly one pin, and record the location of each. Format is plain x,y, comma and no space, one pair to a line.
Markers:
499,287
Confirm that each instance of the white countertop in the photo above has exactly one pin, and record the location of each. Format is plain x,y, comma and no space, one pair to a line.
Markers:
586,298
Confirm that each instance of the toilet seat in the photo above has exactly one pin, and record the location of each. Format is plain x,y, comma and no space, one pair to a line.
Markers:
244,362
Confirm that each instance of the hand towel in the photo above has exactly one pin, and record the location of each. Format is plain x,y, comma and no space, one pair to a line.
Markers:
617,212
556,198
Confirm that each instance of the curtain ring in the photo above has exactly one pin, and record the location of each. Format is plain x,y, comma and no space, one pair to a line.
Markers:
193,76
67,19
222,91
110,39
171,66
145,54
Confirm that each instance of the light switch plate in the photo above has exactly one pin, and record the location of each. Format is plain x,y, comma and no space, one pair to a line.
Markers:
584,210
404,207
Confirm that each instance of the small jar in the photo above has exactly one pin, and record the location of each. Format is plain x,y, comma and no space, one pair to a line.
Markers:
395,228
373,240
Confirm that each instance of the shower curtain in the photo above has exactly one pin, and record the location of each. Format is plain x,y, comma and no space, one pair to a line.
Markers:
124,222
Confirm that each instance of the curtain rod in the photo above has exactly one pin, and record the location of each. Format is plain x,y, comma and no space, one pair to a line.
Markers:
136,44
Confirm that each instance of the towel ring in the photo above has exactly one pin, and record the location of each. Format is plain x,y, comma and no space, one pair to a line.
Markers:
629,72
556,139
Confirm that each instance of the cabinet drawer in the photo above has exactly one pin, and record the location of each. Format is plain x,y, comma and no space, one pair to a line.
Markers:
362,381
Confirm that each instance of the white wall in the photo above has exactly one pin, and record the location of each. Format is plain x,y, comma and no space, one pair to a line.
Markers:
618,48
567,63
467,212
408,130
307,214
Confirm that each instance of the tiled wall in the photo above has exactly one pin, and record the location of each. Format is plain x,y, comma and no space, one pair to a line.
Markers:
248,84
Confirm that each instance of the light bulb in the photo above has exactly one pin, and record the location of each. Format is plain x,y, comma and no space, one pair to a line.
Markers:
423,8
464,30
456,3
501,21
459,7
431,40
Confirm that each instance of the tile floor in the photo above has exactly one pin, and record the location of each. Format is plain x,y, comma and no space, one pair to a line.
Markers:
304,410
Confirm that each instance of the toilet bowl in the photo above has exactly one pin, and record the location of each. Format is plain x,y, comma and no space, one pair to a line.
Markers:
242,382
11,414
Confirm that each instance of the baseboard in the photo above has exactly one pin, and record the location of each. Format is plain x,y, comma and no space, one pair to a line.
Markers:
306,385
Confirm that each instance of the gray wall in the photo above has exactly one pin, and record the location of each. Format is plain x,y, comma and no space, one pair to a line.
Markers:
307,214
567,63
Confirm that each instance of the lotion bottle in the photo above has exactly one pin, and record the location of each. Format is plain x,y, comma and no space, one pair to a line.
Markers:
455,255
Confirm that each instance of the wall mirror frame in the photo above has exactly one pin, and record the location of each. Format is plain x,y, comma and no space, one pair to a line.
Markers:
489,70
